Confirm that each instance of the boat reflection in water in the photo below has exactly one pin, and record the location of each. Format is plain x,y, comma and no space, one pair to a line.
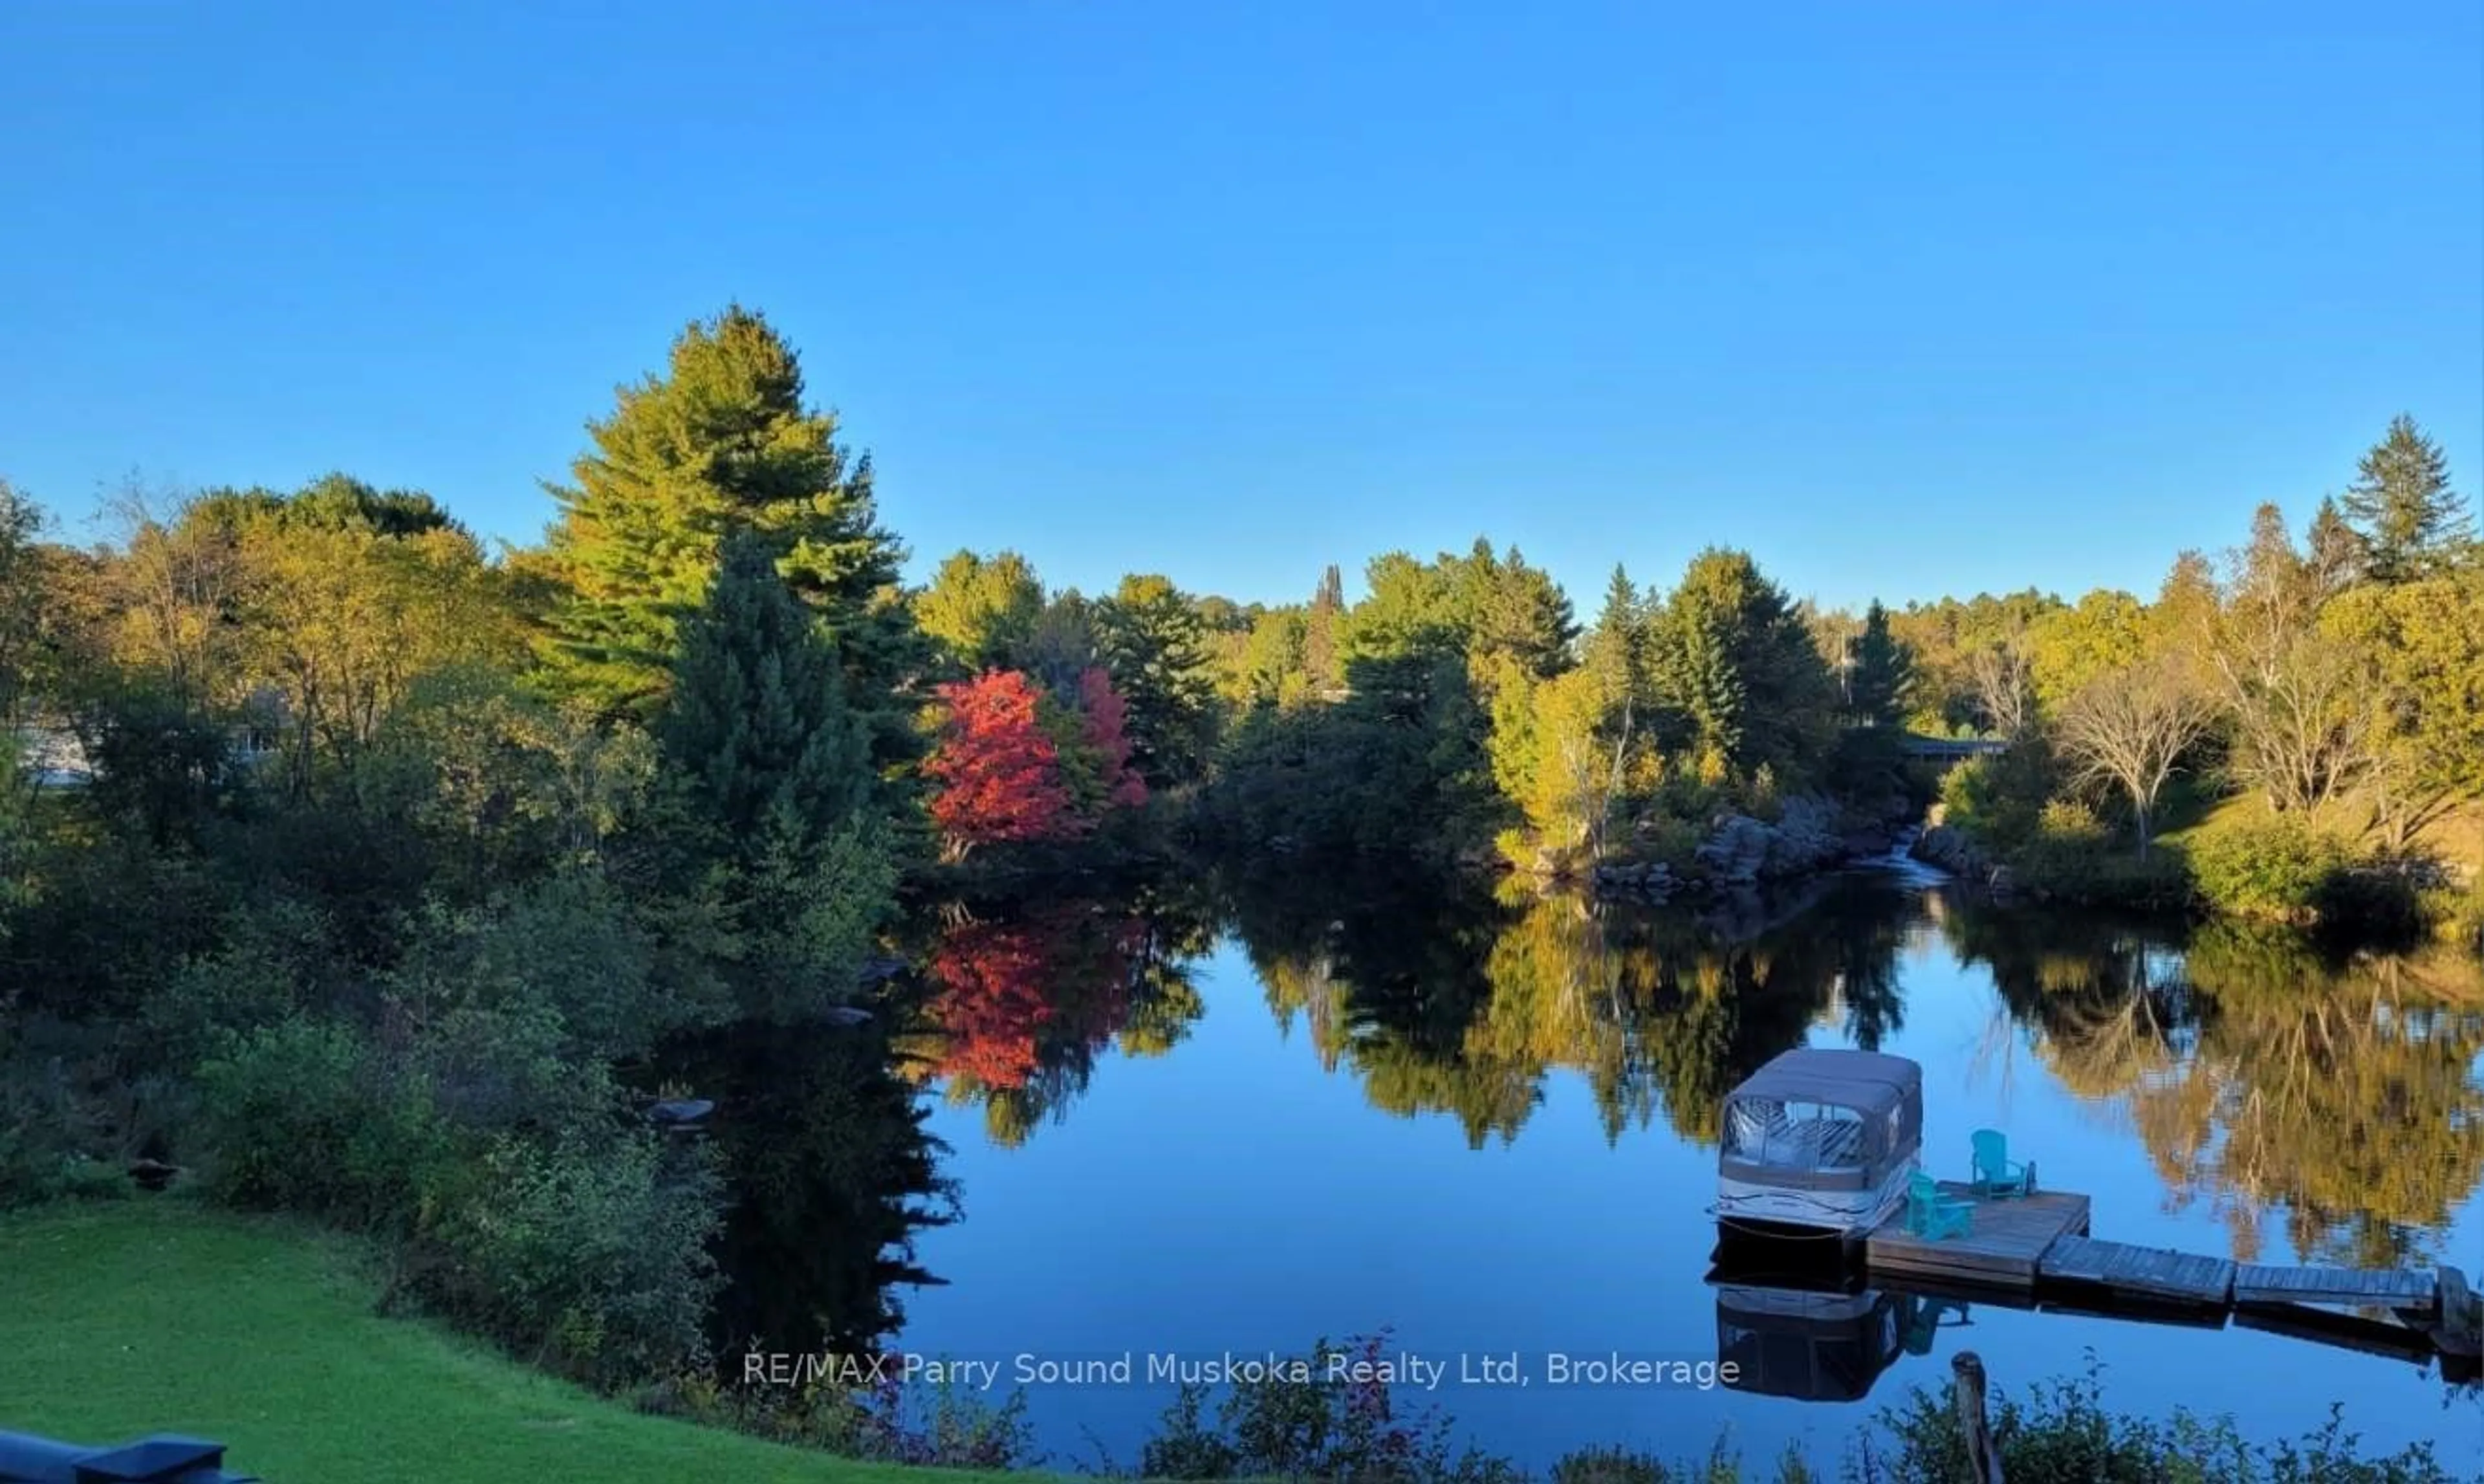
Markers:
1821,1346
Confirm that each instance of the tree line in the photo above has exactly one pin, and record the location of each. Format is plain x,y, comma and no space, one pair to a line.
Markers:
441,862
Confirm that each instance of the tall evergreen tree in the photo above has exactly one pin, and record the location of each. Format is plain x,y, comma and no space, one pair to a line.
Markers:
1616,647
1154,646
1733,656
1883,671
723,442
1514,609
1323,637
2411,523
2335,552
775,820
758,728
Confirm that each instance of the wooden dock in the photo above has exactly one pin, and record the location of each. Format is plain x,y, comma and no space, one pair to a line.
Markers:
2151,1272
2352,1286
2035,1251
2005,1247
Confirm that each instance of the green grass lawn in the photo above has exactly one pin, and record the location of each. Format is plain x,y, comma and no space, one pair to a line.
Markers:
152,1314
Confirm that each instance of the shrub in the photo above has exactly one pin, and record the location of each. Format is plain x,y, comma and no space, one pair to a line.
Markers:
274,957
1317,1423
2280,868
2457,916
1185,1448
589,1256
2062,1434
301,1116
1998,801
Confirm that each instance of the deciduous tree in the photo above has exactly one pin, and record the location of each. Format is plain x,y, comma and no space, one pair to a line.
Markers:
2128,728
996,771
981,610
2417,685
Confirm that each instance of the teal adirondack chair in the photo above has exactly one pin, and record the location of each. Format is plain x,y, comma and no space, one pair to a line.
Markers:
1995,1175
1931,1215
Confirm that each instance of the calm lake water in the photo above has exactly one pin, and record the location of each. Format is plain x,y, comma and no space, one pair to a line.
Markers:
1320,1109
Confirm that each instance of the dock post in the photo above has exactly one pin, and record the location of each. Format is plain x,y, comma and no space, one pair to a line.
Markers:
2458,1326
1982,1455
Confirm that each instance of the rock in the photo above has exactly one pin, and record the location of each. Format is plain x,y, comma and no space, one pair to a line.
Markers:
1635,880
1737,849
844,1014
680,1112
1805,839
880,970
1945,848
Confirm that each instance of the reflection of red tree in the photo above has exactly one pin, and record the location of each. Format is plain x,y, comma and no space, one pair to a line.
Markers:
1015,996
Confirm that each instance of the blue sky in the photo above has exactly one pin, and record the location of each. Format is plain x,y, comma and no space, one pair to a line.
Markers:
1903,299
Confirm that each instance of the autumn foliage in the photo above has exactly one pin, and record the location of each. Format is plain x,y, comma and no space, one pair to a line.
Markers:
1017,763
1019,997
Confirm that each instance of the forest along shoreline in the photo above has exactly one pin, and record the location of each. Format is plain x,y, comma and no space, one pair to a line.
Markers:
353,872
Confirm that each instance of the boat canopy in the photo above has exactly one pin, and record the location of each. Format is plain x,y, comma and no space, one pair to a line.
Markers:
1824,1120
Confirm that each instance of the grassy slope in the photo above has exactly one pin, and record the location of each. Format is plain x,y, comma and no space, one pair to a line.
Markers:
2457,837
154,1315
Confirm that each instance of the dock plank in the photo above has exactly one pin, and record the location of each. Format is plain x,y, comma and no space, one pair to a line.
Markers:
2151,1272
2008,1237
2264,1283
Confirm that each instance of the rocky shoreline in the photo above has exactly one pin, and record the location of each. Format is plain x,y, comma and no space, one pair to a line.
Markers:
1742,854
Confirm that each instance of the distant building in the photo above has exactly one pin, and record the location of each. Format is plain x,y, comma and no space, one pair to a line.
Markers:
55,757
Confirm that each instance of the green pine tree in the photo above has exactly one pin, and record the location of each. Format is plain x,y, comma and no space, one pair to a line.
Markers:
1697,677
722,442
1616,647
1735,658
773,815
2410,522
758,728
1883,673
1154,644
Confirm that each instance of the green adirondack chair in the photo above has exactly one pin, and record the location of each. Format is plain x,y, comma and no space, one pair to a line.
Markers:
1995,1175
1933,1216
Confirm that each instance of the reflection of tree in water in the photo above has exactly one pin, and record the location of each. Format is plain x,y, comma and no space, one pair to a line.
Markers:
2268,1081
832,1174
1024,1000
1445,999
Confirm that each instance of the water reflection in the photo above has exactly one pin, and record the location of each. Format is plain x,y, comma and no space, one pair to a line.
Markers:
1023,999
2338,1096
2269,1082
1447,998
832,1174
1812,1346
2333,1101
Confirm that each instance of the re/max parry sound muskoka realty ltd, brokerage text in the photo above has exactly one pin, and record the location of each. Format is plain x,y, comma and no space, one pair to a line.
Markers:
1402,1368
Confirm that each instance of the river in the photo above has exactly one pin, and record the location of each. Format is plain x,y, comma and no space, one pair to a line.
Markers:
1486,1127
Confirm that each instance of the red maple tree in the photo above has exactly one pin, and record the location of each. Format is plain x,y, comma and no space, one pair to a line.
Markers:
998,770
1108,736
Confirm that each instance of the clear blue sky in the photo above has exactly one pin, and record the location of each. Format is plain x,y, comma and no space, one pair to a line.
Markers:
1904,298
